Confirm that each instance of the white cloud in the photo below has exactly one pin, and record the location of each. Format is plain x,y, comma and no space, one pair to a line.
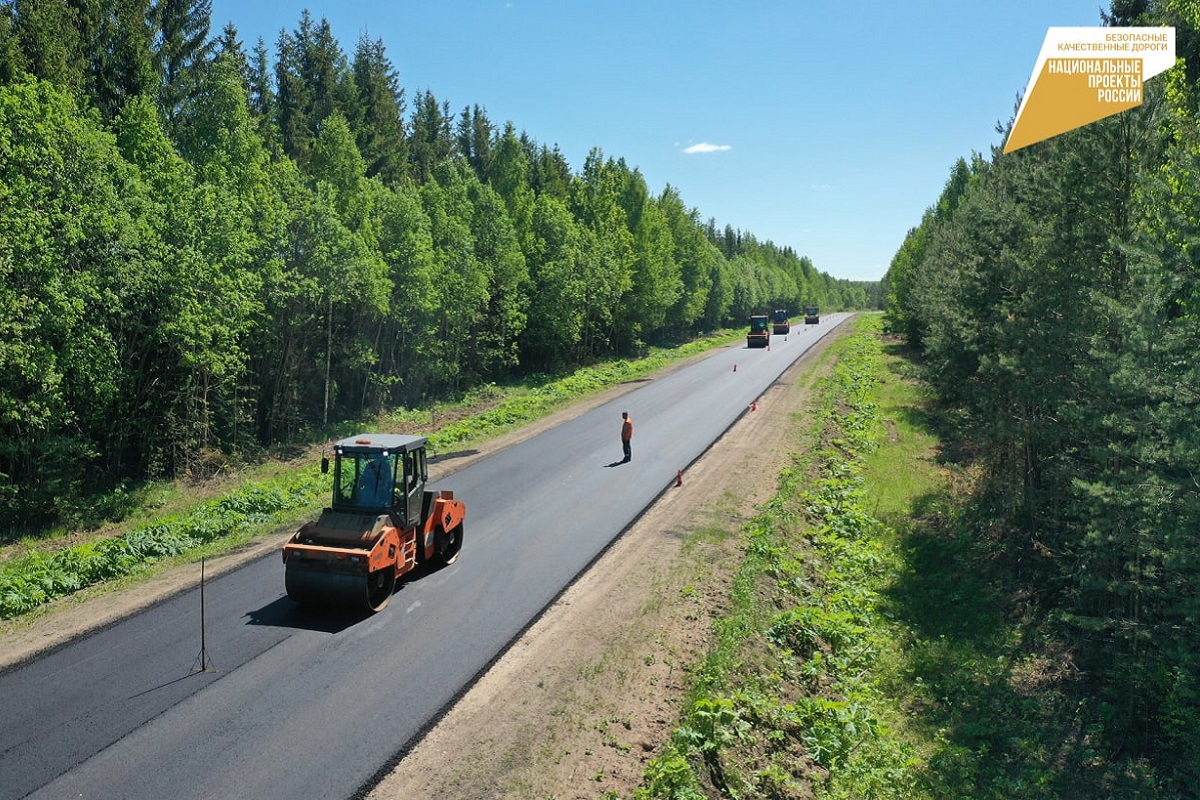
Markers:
705,147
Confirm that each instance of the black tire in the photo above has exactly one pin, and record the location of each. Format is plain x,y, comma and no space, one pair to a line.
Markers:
449,545
380,586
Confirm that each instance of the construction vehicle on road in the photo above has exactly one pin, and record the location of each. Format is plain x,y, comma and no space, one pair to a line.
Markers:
760,334
382,524
782,325
812,316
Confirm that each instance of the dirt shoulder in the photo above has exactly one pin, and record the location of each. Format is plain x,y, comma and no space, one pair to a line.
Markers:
579,705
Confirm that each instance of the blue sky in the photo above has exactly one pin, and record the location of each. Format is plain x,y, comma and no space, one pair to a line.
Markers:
827,127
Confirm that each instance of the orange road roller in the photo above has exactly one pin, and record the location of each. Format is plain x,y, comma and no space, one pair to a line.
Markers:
382,523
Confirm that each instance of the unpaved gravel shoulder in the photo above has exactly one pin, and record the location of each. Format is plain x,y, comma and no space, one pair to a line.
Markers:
578,706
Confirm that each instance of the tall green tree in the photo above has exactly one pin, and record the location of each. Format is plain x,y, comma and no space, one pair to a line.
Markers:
338,281
475,133
71,256
407,341
609,259
229,45
508,172
44,41
657,282
696,257
430,138
558,307
181,48
499,256
12,60
1131,555
461,282
337,162
549,171
381,135
260,90
313,80
118,36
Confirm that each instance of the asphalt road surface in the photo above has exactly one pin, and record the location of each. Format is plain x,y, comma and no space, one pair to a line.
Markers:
284,703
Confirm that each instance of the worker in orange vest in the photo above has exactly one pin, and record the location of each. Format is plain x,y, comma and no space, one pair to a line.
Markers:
626,435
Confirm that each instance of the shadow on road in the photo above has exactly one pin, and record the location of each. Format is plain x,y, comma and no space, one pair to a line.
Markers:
284,613
193,673
449,456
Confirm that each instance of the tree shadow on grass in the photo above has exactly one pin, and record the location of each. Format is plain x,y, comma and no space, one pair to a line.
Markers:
990,681
987,682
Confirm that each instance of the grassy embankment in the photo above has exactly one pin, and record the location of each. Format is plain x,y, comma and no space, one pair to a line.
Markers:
874,648
153,526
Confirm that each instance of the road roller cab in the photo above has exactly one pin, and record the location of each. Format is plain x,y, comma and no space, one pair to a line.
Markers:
382,523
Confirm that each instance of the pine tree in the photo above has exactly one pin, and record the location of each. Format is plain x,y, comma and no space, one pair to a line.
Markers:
44,41
181,48
380,135
293,101
430,140
474,134
12,60
121,62
229,46
260,96
549,173
313,80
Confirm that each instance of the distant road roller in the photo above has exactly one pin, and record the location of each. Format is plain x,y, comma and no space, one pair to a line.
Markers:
760,331
382,524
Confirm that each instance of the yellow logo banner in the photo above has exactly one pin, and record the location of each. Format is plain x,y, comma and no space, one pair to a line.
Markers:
1086,74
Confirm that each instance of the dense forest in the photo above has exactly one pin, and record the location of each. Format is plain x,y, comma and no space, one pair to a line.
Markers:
211,250
1054,294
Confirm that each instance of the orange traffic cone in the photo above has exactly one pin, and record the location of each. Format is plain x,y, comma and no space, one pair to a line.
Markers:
679,478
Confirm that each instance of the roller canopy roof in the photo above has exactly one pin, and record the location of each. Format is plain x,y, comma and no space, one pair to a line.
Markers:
374,442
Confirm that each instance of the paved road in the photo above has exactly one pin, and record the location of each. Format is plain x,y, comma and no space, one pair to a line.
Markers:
299,705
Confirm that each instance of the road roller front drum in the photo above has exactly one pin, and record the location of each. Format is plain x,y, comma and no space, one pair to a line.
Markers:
332,590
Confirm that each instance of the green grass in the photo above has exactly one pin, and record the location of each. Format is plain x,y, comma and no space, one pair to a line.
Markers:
903,467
